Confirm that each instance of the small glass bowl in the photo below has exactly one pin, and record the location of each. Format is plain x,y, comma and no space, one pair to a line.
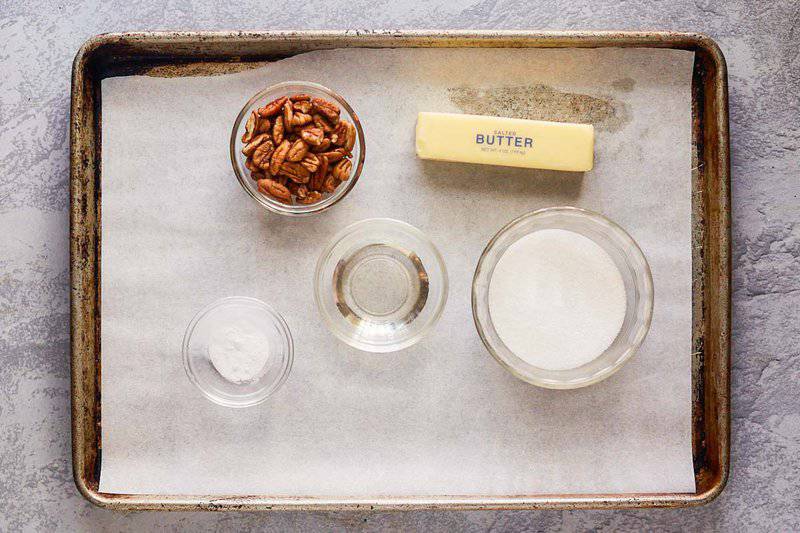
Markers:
238,159
380,285
237,311
628,258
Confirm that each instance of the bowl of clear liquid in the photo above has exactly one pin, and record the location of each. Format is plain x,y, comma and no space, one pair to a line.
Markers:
380,285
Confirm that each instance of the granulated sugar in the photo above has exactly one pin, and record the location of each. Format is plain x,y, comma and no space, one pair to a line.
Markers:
556,298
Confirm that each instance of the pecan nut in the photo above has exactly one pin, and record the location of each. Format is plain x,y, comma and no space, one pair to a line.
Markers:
311,197
263,125
295,172
327,109
304,106
277,130
263,153
297,189
313,136
288,115
341,170
335,155
252,145
275,189
272,108
279,156
323,146
319,176
344,135
350,136
321,123
249,165
330,183
249,128
298,151
310,162
300,119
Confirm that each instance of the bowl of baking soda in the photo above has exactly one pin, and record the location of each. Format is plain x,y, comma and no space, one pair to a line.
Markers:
238,351
562,297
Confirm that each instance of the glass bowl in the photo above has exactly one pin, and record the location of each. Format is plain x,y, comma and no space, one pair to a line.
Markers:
380,285
628,258
248,315
238,159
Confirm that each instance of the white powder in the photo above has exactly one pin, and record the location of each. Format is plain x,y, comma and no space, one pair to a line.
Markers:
238,352
556,298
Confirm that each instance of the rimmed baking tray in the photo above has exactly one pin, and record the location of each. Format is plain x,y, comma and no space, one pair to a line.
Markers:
192,53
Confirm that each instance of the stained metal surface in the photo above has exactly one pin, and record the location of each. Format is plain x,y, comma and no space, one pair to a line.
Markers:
205,53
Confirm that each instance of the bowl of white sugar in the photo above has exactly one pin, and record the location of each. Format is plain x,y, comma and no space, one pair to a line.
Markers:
562,297
238,351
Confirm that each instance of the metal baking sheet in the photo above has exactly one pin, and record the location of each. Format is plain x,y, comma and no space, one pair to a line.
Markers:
179,54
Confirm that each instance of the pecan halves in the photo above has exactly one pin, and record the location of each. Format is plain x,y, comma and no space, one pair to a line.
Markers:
303,106
251,166
350,136
334,155
298,151
288,115
275,189
272,108
301,191
277,130
320,122
311,197
327,109
319,176
262,154
300,119
323,146
298,148
313,136
310,162
344,135
250,128
295,172
341,171
253,144
279,156
263,126
330,183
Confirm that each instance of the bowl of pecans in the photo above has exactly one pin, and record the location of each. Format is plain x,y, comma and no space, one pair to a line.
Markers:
297,148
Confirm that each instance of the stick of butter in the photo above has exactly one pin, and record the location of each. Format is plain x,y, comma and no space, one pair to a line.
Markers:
510,142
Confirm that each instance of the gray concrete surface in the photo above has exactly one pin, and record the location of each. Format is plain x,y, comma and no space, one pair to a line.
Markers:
37,42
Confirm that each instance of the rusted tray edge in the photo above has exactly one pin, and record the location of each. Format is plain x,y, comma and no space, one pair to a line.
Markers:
713,175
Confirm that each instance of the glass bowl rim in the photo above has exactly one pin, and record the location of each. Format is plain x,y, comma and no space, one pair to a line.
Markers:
295,209
642,326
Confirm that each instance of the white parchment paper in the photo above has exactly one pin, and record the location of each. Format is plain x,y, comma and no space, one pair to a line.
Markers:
441,418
